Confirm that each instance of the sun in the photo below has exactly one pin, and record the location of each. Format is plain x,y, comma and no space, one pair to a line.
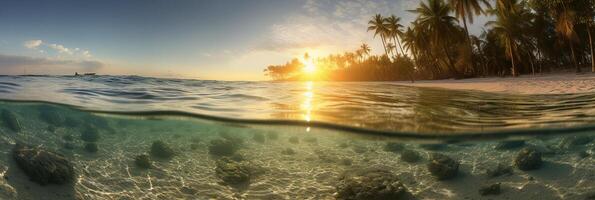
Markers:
309,68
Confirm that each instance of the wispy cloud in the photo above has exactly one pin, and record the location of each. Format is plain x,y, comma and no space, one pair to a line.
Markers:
10,64
42,47
333,24
32,44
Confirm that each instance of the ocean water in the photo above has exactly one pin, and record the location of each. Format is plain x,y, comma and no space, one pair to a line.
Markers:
296,140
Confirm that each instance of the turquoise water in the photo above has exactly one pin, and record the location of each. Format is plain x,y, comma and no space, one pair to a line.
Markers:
260,140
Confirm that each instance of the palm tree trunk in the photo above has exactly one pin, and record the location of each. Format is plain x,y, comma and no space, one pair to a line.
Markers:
400,47
472,64
591,46
539,60
510,49
383,44
578,69
532,66
450,64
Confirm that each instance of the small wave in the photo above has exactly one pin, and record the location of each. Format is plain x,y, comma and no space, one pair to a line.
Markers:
379,106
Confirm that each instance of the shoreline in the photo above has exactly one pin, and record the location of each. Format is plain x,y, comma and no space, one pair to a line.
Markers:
554,83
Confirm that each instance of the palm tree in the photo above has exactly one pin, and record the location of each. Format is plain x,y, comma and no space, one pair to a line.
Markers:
377,25
365,49
565,27
591,13
509,27
360,55
394,30
392,49
435,19
589,23
466,9
408,38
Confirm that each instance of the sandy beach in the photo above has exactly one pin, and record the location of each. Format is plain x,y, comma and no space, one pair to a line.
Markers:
558,83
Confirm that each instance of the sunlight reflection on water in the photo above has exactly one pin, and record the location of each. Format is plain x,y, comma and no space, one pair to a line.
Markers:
374,105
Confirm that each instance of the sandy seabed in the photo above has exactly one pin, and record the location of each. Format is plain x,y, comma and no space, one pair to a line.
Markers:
312,171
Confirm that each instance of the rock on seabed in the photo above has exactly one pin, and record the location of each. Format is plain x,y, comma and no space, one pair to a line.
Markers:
528,159
443,167
42,166
370,184
160,149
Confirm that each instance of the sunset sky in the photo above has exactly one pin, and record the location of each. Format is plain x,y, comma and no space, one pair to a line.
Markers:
225,40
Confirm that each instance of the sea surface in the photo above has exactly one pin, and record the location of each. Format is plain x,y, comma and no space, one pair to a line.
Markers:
203,139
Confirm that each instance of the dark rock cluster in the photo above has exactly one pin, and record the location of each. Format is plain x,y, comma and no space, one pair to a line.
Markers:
528,159
442,166
370,184
232,172
42,166
410,156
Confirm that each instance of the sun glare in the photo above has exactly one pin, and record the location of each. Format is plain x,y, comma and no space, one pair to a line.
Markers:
309,68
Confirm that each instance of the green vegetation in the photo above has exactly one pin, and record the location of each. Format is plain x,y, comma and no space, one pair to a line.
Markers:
523,37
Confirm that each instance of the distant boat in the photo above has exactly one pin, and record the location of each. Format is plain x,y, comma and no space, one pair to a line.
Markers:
85,74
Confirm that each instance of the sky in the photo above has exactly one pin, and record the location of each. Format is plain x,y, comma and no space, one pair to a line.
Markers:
222,40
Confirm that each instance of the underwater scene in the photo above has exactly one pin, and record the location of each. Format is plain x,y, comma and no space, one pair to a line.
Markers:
297,143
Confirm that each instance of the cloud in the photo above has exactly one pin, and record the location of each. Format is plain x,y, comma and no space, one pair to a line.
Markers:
10,64
60,49
334,24
32,44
